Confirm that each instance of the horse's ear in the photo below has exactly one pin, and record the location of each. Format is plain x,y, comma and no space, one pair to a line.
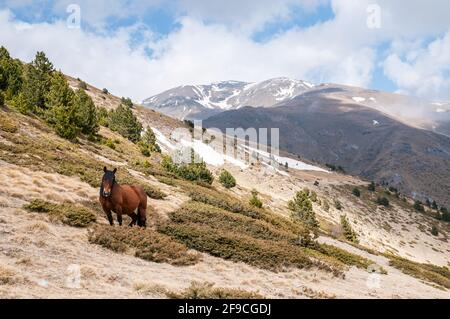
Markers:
115,170
105,169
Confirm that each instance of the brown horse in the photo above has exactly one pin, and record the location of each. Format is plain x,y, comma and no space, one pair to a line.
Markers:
122,199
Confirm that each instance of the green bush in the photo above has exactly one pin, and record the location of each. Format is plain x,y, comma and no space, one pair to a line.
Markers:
226,179
191,171
302,209
123,121
105,91
418,206
2,99
382,201
434,231
337,204
254,200
110,143
371,187
445,214
356,192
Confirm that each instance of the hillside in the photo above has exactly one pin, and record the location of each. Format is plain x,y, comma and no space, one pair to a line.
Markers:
208,234
360,139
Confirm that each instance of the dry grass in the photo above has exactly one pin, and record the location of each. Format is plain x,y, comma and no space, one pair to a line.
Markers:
68,213
7,276
264,242
7,123
198,290
427,272
146,244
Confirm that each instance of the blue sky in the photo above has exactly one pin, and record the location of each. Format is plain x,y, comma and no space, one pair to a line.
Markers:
139,48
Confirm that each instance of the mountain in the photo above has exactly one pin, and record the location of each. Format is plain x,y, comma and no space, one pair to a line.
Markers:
202,101
361,139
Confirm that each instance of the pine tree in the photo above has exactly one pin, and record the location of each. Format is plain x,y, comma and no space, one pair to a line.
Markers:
10,75
61,113
434,205
86,113
302,209
148,143
37,81
226,179
254,200
123,121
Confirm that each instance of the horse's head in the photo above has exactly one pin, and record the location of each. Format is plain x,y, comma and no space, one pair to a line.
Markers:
108,180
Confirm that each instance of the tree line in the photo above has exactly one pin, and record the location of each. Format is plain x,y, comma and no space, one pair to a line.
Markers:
37,88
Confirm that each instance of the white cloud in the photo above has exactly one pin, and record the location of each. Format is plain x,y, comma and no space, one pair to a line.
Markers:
214,43
424,73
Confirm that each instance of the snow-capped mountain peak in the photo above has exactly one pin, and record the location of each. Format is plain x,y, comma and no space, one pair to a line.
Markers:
200,101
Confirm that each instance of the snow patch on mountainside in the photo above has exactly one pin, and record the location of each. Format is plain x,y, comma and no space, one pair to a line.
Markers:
358,99
292,163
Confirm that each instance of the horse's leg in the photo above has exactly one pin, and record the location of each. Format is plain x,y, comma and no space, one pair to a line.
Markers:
119,219
134,218
110,217
142,216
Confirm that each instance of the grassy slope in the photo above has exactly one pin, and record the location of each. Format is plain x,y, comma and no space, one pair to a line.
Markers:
213,222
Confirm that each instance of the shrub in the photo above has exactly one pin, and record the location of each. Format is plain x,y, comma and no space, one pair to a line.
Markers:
349,234
445,215
382,201
337,204
146,243
356,192
254,200
105,91
434,231
68,213
123,121
418,206
371,187
302,209
227,180
110,143
192,171
2,99
434,205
